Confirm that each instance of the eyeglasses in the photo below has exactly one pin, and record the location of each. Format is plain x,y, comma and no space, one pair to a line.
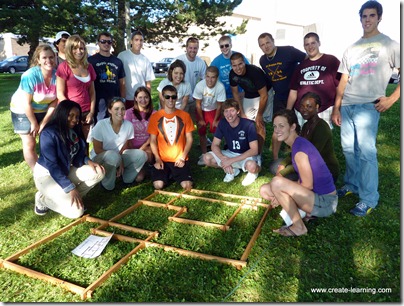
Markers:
167,97
224,46
118,99
104,41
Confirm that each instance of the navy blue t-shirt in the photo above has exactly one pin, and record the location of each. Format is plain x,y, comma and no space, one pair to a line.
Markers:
280,68
238,138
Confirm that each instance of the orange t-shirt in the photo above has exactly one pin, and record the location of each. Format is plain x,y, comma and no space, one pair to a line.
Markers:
171,130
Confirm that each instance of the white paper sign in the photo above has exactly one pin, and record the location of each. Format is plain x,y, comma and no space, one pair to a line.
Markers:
92,246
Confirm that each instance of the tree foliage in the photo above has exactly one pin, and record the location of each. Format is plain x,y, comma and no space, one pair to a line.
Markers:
159,20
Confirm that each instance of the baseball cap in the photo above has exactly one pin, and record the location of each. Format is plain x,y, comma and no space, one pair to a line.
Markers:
60,34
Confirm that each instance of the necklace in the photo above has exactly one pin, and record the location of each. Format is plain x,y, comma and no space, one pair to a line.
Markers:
270,58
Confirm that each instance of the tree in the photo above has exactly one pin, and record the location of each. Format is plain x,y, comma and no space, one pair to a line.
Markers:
159,20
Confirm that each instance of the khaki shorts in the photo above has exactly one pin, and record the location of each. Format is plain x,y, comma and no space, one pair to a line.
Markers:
324,205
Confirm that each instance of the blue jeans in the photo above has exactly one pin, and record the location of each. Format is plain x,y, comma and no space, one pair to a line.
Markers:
358,140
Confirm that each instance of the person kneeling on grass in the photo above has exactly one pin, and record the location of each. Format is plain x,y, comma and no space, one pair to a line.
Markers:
63,173
314,193
242,142
112,146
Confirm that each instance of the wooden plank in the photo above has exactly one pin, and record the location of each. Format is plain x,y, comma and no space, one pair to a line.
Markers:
46,239
121,226
230,221
259,200
255,235
38,275
200,223
161,205
180,212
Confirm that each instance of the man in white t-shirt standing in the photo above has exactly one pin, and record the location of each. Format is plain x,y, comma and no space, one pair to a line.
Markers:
209,94
138,68
196,69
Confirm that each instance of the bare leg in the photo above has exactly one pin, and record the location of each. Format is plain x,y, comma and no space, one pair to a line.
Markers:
28,149
261,132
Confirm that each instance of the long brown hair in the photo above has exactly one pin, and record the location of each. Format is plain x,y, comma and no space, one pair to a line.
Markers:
136,110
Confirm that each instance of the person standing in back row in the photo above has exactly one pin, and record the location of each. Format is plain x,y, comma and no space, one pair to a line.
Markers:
195,70
110,81
366,69
222,62
318,73
138,68
278,64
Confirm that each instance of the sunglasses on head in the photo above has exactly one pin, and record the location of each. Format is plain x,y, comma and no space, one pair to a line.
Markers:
104,41
174,97
224,46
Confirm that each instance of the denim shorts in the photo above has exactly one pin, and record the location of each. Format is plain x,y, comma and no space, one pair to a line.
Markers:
21,123
324,205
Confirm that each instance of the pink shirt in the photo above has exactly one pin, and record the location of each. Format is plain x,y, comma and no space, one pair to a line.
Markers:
139,127
77,90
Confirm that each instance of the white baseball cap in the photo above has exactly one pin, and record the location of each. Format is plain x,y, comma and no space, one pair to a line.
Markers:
60,34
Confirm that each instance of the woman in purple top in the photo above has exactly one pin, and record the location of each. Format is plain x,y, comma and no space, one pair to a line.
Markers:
139,117
314,193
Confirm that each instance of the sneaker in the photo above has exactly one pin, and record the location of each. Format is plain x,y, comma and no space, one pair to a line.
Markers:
259,160
201,161
361,210
343,191
40,209
249,179
229,177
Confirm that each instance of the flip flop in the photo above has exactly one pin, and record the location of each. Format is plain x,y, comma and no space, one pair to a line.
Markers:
309,218
286,231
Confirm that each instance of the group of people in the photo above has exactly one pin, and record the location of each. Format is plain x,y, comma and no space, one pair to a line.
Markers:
302,94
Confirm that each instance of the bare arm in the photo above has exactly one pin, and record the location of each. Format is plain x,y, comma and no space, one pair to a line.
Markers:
291,99
48,115
60,89
336,114
305,171
234,91
122,88
29,112
386,102
153,145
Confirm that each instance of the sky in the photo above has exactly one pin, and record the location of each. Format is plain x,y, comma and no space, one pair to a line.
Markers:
339,20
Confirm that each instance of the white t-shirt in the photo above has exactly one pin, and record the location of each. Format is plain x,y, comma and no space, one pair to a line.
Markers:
138,71
195,70
183,89
104,133
210,96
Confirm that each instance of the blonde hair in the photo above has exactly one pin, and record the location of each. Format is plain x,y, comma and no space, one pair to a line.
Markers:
73,42
37,53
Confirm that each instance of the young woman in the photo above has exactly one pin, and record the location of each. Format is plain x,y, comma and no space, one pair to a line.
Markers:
75,80
314,193
139,117
112,139
175,77
34,101
64,174
318,132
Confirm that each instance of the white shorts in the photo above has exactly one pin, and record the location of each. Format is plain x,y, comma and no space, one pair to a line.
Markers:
250,107
239,165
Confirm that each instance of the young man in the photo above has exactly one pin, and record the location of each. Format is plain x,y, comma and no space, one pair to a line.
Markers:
209,95
257,102
241,138
138,68
318,73
278,64
171,139
195,70
366,68
222,62
59,43
110,80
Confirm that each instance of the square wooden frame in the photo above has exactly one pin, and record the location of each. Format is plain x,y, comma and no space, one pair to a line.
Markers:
246,203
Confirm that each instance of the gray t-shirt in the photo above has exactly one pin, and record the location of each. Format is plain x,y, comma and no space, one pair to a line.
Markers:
369,62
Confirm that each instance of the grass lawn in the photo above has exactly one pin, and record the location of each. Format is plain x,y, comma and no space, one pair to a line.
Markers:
360,256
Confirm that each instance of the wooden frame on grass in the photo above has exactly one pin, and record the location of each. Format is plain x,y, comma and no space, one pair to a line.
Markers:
246,203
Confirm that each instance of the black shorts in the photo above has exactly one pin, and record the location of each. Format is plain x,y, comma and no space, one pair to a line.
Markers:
169,171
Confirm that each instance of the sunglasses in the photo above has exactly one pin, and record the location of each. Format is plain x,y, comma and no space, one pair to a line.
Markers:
174,97
104,41
224,46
